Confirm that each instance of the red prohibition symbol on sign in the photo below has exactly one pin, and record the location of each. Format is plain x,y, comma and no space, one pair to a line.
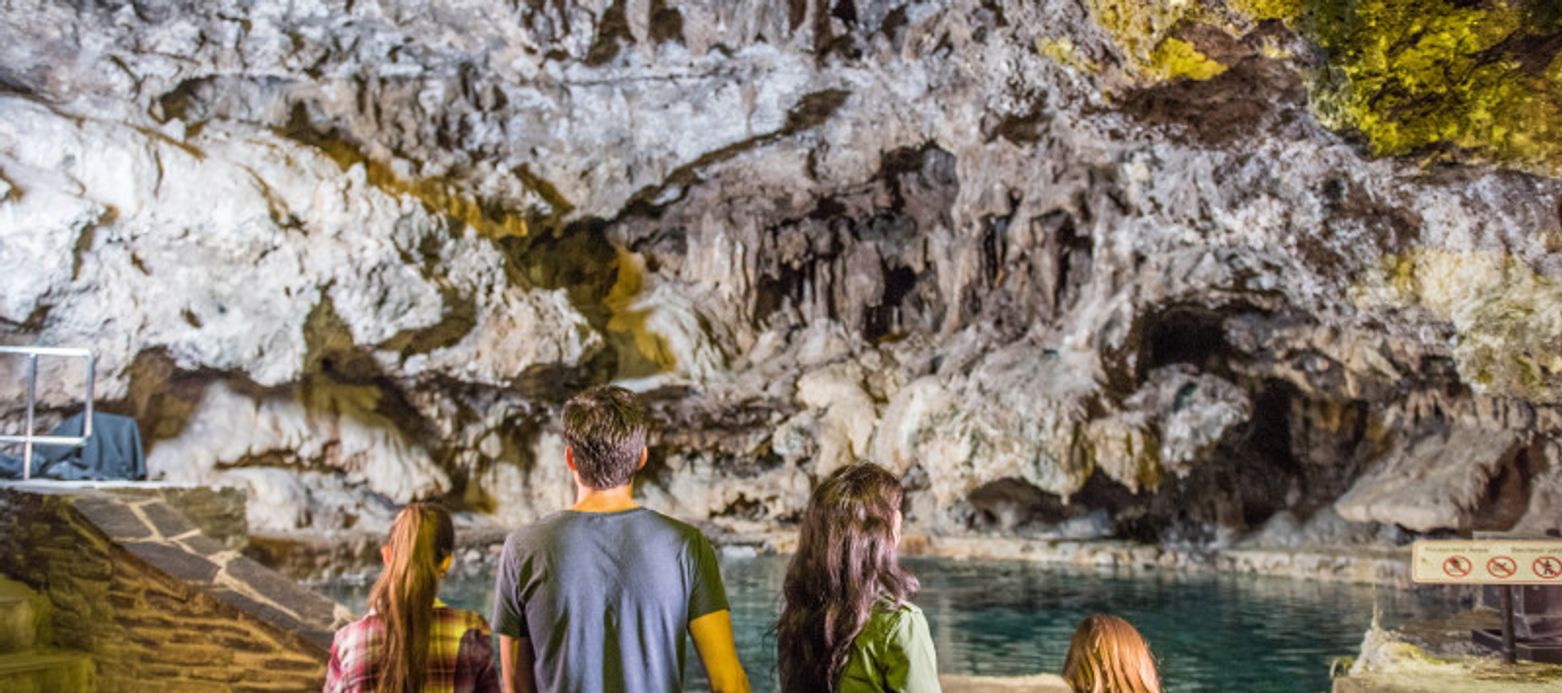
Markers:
1502,567
1548,568
1457,566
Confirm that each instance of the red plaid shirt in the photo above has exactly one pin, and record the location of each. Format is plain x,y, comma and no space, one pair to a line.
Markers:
460,655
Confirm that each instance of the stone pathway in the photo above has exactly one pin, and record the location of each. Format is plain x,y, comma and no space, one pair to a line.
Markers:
155,532
156,603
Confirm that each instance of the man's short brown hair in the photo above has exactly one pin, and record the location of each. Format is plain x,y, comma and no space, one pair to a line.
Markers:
605,427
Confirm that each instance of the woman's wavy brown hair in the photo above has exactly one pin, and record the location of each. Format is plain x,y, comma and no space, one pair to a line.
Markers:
845,562
1107,655
420,540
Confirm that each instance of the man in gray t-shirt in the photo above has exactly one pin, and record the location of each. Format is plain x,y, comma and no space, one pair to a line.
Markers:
597,598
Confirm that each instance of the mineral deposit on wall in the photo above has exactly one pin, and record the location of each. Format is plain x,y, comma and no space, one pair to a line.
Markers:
1164,271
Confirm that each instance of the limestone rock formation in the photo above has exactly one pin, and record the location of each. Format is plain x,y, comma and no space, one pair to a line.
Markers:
1171,272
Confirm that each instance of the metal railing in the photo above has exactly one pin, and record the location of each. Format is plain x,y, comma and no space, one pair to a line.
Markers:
27,439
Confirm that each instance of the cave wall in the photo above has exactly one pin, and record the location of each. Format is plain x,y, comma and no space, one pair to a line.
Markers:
1175,272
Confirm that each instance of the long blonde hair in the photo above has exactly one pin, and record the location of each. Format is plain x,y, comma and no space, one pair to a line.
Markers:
1107,655
421,538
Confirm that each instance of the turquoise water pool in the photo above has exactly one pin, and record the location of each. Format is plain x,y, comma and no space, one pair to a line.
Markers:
1210,632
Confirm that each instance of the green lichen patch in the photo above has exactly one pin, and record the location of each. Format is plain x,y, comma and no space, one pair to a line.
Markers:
1063,52
1507,318
1443,79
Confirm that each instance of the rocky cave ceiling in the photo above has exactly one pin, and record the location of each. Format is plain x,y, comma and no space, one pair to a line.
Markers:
1169,271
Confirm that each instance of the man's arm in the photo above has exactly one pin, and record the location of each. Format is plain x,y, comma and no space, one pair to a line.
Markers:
515,665
713,640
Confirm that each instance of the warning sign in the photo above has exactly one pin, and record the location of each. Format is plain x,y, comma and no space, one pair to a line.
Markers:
1501,567
1548,568
1457,566
1488,562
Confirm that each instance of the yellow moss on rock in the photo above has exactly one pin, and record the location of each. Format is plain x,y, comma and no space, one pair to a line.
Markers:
1269,9
1142,31
1441,79
1178,59
437,195
641,350
1437,78
1138,26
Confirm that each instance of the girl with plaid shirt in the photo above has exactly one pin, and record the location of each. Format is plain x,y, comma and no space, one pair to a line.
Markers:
410,642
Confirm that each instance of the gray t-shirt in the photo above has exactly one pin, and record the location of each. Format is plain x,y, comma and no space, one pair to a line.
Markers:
606,598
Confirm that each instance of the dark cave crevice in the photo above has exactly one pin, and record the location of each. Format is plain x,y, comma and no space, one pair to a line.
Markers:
161,397
555,383
582,260
666,23
1253,95
1262,456
797,11
1251,474
612,31
853,239
1013,505
1183,334
329,348
920,170
1075,255
579,258
1333,443
1023,128
995,231
774,289
743,508
883,319
846,11
1507,495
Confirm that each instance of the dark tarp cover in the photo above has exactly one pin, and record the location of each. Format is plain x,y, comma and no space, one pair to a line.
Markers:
113,452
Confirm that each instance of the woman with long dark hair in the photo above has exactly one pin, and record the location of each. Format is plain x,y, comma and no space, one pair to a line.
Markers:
410,642
847,625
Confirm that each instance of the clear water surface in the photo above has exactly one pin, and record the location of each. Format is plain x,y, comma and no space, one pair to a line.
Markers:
998,618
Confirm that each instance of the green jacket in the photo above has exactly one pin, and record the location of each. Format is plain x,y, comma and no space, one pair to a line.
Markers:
892,654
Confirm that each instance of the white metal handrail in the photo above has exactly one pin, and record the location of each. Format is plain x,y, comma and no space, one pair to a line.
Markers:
27,439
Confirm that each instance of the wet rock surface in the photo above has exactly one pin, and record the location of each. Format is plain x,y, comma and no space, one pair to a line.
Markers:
1077,270
1439,656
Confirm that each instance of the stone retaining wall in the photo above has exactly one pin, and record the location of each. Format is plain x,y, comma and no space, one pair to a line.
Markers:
158,604
1388,567
1362,565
